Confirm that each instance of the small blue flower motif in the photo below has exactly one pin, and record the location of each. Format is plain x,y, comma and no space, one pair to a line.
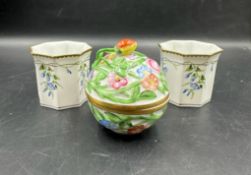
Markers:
184,91
188,75
142,70
108,124
194,86
49,93
43,74
165,69
51,85
193,78
68,71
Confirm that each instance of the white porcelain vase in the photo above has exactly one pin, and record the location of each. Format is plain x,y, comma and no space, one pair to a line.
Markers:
61,70
190,68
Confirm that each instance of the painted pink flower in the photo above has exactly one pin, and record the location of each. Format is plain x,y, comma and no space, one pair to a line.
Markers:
153,64
116,81
131,57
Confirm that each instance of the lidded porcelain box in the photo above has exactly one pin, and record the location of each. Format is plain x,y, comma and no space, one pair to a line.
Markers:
61,69
126,91
190,68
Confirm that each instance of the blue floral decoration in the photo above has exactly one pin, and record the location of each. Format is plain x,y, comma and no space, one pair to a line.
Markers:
108,124
42,74
195,80
142,69
52,86
50,79
165,68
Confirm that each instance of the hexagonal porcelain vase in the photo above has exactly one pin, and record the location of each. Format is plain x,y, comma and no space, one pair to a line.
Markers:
190,68
61,69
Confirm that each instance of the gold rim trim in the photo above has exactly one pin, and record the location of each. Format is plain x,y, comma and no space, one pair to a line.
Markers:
134,112
126,109
61,56
97,102
189,55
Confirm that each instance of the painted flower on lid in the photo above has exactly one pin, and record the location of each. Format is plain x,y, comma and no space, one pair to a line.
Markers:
116,82
150,82
153,64
143,71
126,46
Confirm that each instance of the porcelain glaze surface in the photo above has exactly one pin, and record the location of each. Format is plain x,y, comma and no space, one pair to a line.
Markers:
61,71
189,67
126,90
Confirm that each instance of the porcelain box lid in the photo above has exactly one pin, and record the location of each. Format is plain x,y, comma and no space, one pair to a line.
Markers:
126,77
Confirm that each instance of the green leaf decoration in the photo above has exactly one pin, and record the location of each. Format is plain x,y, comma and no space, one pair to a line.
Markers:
41,67
202,77
132,74
96,113
147,95
117,60
100,76
106,62
154,116
198,69
125,125
55,77
121,72
103,69
89,88
161,88
112,117
163,81
96,63
136,92
99,56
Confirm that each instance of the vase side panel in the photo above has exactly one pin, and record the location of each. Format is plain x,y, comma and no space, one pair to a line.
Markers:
58,80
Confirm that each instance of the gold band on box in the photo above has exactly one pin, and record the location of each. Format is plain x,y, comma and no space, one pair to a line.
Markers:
127,109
